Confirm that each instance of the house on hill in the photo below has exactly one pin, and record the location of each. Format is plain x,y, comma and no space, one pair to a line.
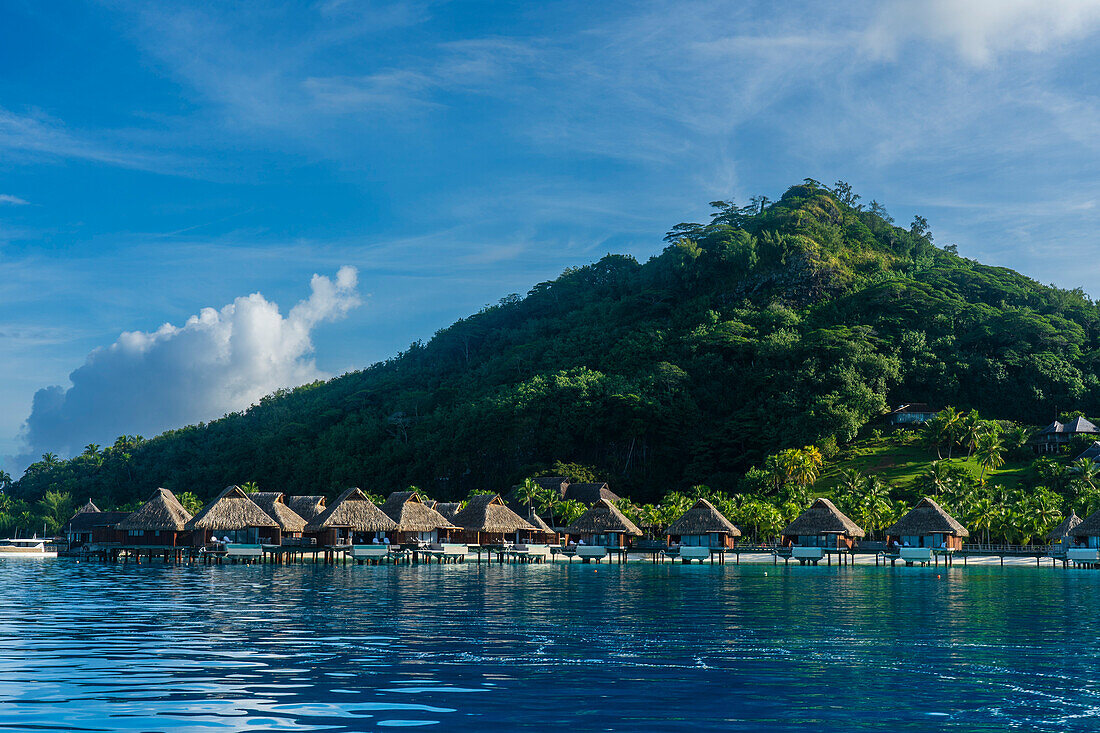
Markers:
1092,452
1057,435
910,413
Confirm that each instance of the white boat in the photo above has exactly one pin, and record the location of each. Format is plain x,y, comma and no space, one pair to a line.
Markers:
27,548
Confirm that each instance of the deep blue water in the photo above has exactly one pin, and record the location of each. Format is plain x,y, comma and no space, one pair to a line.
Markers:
548,648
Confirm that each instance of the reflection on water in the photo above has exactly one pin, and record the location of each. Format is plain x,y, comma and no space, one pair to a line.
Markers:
102,648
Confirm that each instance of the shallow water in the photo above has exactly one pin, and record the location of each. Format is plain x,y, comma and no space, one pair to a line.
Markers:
94,647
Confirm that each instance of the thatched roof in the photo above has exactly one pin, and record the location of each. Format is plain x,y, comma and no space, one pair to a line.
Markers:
412,514
306,507
231,510
90,516
822,518
487,513
590,493
603,517
536,521
162,511
447,508
1090,527
274,505
1065,529
927,517
703,518
352,510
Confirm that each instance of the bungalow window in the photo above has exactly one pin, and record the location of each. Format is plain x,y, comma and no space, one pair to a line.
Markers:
134,532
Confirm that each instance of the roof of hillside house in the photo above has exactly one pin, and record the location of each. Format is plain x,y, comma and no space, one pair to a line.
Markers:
352,510
412,514
306,507
603,517
1093,452
231,510
487,513
822,518
927,517
702,518
274,505
1065,529
161,512
912,407
1077,426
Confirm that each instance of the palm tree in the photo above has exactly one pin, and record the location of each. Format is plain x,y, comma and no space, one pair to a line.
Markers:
938,477
970,429
250,487
990,453
950,417
1085,475
571,510
528,492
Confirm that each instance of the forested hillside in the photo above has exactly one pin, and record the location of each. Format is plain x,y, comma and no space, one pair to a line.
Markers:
774,325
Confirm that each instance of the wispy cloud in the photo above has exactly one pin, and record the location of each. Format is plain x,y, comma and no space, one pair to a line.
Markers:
7,198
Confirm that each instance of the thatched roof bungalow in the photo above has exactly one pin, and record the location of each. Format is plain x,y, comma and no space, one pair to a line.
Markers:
306,507
352,519
274,505
90,525
927,525
485,520
1087,532
542,531
415,519
603,525
822,525
234,515
703,526
1062,535
161,520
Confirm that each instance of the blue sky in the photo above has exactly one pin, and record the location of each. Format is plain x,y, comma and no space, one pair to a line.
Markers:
159,159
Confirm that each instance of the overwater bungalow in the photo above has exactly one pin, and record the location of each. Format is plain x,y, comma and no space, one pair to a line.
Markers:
416,521
703,526
274,505
306,507
353,519
92,526
1061,537
485,520
159,522
824,526
603,525
1087,532
927,525
232,514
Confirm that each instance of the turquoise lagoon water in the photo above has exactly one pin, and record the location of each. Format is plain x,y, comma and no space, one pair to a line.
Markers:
90,647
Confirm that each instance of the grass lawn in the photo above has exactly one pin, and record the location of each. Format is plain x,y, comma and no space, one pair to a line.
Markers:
898,459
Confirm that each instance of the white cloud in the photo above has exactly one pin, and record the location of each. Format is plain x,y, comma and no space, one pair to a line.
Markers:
219,361
6,198
982,30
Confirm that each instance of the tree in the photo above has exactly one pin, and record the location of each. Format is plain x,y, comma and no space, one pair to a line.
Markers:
250,487
990,453
570,510
528,492
190,502
56,508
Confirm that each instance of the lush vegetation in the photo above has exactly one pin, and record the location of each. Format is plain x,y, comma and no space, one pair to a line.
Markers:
772,327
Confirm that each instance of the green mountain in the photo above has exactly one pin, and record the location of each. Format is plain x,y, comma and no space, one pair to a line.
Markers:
775,325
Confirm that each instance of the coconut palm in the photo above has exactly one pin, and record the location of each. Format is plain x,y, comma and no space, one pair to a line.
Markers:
990,453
